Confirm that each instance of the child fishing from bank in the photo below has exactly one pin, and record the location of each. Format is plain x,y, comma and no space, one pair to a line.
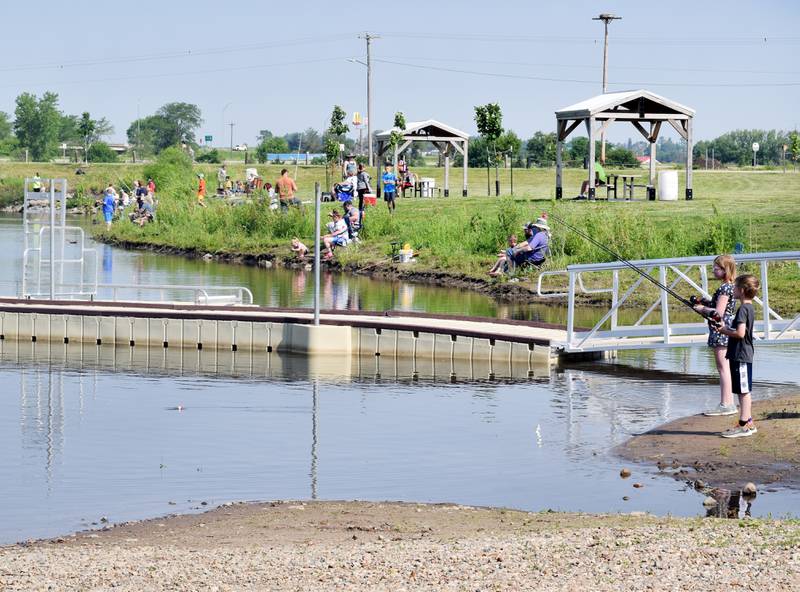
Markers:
724,304
740,353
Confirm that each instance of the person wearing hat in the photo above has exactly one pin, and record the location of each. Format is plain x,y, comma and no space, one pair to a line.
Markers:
337,234
201,190
533,250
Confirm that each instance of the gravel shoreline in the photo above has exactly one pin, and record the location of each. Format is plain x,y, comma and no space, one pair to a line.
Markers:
401,546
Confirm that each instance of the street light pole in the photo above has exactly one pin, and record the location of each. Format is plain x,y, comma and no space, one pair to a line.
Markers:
606,18
231,124
368,38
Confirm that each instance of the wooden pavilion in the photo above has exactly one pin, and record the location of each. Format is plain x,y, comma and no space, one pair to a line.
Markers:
444,137
645,110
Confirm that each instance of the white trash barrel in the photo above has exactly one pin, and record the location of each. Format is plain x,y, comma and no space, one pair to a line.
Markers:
668,185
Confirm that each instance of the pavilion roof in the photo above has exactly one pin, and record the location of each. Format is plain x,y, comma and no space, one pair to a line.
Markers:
631,101
429,127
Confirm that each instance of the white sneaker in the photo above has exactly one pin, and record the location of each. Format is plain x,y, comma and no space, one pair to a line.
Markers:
740,431
721,410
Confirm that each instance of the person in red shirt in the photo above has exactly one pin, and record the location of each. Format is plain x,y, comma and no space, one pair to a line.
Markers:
151,186
201,190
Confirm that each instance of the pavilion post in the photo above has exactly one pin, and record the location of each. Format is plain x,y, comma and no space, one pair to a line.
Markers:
447,169
559,128
590,125
466,165
378,170
652,182
689,151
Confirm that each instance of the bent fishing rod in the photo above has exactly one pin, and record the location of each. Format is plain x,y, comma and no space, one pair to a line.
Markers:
714,316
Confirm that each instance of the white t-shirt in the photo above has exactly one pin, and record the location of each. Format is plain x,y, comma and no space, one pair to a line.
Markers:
338,228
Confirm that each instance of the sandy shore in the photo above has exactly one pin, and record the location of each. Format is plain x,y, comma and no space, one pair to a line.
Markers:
393,546
690,448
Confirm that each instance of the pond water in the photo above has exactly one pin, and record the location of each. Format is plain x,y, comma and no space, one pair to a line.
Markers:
89,432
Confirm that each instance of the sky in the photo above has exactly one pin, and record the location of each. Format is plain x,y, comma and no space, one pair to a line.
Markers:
283,65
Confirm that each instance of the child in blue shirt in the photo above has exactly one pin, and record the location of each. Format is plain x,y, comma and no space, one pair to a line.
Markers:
109,205
389,187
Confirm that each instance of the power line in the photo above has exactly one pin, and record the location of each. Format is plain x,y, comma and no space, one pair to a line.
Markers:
579,81
726,40
176,54
590,67
53,84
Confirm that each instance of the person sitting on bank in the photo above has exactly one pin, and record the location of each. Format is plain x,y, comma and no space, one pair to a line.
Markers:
600,179
500,264
533,251
352,218
337,235
299,249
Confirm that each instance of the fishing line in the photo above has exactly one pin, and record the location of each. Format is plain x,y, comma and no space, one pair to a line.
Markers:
635,268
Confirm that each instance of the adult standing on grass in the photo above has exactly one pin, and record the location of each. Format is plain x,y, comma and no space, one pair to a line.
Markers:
724,304
362,186
286,188
151,185
201,190
222,176
389,187
109,205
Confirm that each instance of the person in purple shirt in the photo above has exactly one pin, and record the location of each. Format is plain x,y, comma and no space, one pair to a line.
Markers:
533,251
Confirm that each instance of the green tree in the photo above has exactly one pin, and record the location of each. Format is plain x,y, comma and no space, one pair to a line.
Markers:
273,145
264,134
541,148
794,146
37,123
86,129
509,144
489,120
172,124
396,136
5,126
100,152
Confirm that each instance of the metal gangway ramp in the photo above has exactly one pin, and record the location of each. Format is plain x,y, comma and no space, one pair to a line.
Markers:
664,322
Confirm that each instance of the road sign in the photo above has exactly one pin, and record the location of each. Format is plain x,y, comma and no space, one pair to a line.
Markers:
209,139
755,146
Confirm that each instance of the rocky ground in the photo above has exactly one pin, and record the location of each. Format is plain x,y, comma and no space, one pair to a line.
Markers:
393,546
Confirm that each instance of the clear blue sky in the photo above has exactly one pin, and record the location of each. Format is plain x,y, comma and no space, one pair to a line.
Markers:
283,65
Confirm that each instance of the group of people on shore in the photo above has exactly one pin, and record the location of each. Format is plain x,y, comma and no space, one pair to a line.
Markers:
144,202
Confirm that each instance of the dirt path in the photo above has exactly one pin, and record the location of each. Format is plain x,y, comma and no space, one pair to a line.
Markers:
691,448
370,546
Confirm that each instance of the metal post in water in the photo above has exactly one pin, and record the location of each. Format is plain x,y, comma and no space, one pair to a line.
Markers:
52,240
316,251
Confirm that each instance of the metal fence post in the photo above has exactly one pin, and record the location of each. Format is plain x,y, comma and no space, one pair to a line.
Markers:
316,251
571,309
765,297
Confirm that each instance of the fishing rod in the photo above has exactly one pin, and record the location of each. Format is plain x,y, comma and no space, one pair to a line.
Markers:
691,302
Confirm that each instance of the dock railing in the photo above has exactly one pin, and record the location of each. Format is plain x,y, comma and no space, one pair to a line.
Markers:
608,333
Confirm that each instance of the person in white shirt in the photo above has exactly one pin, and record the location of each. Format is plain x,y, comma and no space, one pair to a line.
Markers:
337,234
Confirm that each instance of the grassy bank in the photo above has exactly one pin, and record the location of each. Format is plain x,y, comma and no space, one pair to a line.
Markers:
462,235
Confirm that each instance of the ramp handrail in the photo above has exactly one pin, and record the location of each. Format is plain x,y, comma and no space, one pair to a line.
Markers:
771,327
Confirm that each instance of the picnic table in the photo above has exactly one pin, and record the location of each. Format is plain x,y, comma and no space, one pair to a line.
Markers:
628,184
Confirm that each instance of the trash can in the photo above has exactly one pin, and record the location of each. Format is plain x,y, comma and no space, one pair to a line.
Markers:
668,185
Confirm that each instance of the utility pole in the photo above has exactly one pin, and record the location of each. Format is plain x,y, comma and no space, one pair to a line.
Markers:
606,18
231,124
368,38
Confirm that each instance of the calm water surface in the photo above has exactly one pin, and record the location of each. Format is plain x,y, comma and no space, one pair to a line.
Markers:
90,432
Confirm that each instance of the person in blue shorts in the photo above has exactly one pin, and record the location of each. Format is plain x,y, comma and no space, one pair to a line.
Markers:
109,205
389,187
740,353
